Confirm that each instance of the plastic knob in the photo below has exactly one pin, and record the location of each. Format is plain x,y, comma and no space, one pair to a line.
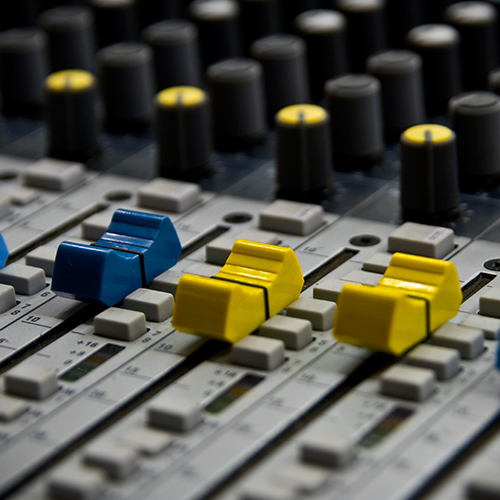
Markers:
416,296
4,251
438,45
127,86
71,98
218,25
23,68
69,29
236,90
477,24
283,59
256,283
136,248
400,76
176,56
182,130
303,153
115,21
355,106
429,175
324,32
475,117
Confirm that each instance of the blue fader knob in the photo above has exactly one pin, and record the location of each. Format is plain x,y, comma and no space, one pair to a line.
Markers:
136,248
4,251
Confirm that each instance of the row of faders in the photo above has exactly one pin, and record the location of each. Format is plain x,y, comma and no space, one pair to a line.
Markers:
398,428
31,402
222,410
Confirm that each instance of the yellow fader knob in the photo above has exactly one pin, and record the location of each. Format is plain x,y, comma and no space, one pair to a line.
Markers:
416,296
257,282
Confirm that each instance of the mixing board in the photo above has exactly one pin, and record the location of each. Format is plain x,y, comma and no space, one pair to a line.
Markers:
356,139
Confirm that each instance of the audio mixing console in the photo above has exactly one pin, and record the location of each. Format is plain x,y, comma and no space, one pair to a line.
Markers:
357,140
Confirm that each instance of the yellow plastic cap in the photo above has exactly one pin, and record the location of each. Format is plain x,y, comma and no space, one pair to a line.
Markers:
74,80
380,319
182,95
416,296
419,133
431,279
302,113
257,281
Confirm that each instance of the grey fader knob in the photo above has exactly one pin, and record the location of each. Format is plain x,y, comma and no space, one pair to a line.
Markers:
366,29
236,91
258,19
355,106
182,130
402,16
477,24
400,76
303,153
283,58
175,53
126,77
324,32
438,45
218,26
23,67
115,21
429,179
475,117
69,29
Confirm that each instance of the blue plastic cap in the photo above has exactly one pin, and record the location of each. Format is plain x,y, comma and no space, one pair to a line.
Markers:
136,248
4,251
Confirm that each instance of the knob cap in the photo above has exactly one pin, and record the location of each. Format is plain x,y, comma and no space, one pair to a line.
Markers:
182,130
438,46
69,29
400,76
429,177
71,115
401,18
126,77
475,117
366,29
324,32
176,55
153,11
477,24
303,153
218,25
23,68
238,106
115,21
355,106
283,59
258,19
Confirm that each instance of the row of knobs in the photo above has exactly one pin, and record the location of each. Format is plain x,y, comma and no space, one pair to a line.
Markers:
385,22
401,88
456,57
433,162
